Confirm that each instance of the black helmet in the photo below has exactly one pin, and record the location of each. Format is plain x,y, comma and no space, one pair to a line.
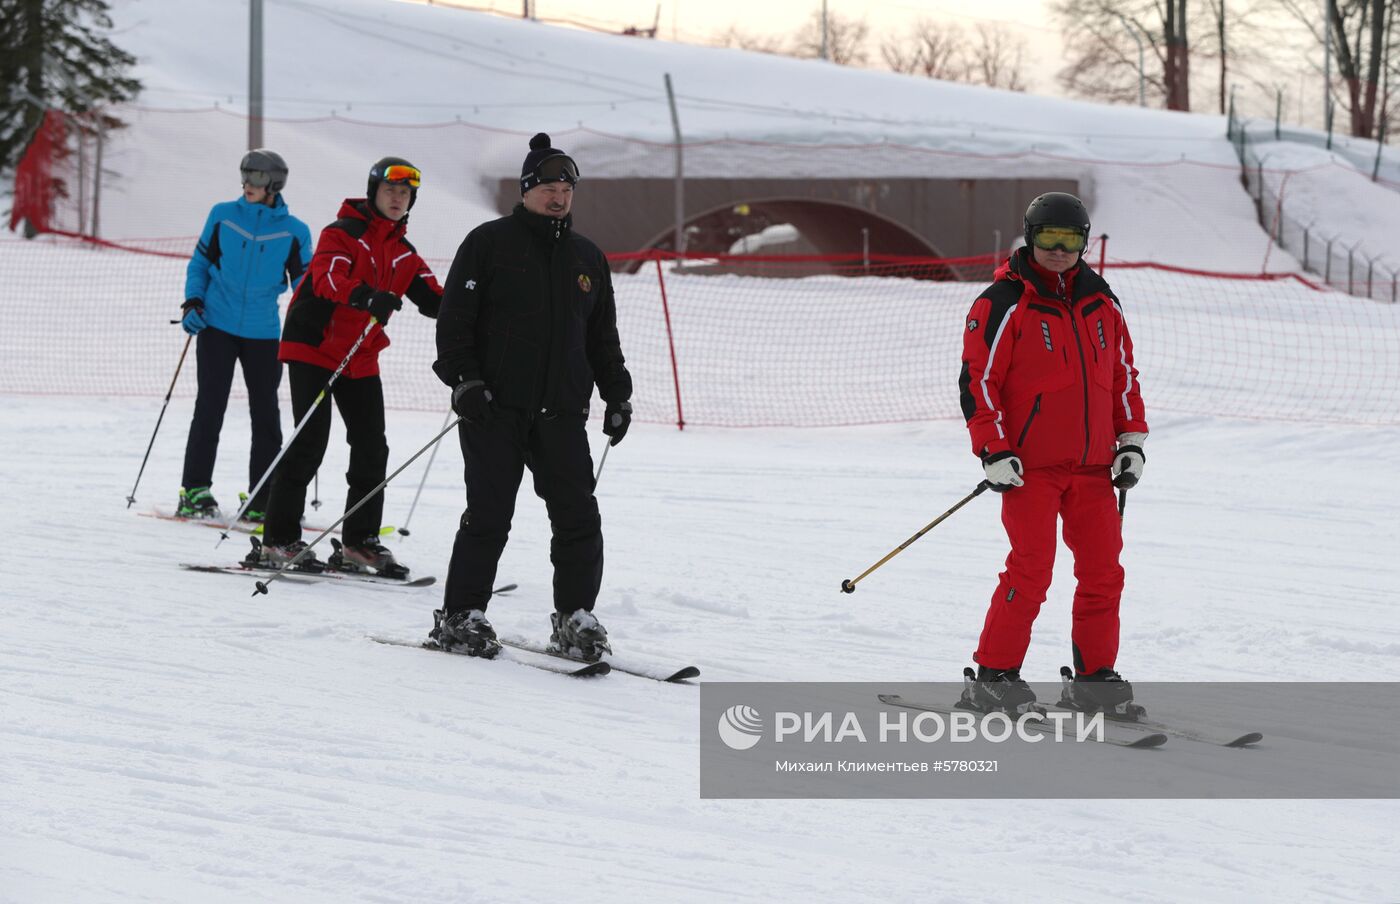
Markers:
264,169
394,170
1056,208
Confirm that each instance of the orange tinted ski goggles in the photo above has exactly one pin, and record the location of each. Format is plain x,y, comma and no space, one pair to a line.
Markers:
1064,238
409,175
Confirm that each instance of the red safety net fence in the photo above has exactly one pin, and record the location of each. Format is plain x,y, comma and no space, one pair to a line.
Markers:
750,341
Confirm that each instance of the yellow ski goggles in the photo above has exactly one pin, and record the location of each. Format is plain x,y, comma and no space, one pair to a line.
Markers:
1064,238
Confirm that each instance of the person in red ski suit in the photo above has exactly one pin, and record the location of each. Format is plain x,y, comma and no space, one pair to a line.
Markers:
1050,392
362,266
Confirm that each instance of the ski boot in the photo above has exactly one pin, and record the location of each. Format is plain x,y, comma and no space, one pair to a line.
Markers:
1103,691
254,513
996,690
197,503
464,632
369,557
278,557
578,636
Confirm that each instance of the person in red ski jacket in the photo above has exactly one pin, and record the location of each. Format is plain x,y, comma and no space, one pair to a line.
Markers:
1050,392
362,266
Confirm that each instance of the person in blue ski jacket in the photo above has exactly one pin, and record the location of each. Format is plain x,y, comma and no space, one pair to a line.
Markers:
250,251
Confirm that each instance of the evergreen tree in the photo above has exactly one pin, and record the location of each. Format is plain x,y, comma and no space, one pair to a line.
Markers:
54,54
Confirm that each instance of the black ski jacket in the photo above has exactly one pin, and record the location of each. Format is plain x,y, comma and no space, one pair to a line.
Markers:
528,307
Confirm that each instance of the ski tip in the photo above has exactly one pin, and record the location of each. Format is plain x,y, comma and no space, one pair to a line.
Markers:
592,670
890,698
1246,740
1152,740
506,588
388,529
684,674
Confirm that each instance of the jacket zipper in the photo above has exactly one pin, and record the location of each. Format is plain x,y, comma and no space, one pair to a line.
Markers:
1035,409
1083,379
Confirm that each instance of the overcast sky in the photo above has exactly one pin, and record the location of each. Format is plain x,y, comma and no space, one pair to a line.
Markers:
700,21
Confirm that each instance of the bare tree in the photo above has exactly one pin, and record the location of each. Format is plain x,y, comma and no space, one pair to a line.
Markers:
929,49
734,36
993,56
1361,46
996,58
1101,57
845,39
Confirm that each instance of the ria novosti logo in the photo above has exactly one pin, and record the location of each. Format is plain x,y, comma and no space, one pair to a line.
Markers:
740,727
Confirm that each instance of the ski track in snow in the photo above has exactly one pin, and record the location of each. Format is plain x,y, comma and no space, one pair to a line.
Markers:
166,736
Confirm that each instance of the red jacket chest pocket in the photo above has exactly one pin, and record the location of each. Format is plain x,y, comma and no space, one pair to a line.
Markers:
1098,330
1044,353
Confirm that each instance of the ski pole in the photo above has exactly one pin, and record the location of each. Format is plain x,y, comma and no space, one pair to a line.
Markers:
316,493
603,461
132,497
414,507
306,418
849,586
263,585
1122,503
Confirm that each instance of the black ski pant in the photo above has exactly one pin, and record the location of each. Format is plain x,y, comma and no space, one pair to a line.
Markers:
361,406
215,354
555,449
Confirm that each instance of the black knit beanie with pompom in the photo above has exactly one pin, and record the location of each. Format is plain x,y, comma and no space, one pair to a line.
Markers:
540,151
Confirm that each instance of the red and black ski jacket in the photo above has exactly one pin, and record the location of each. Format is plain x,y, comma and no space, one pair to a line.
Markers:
1047,369
359,254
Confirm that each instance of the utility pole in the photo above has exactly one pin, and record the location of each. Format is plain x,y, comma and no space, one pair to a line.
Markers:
680,168
1327,71
255,74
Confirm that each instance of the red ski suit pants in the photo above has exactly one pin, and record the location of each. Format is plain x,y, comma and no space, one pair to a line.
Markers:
1083,498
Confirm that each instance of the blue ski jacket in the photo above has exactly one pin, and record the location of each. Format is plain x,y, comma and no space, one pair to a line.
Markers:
248,254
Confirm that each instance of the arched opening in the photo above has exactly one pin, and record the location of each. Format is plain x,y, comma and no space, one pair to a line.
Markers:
796,226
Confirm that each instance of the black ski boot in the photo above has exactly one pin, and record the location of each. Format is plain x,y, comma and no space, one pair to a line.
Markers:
369,557
578,636
1103,691
465,632
278,557
996,690
197,503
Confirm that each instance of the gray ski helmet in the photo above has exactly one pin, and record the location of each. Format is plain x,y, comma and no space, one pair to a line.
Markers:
261,160
1056,208
380,172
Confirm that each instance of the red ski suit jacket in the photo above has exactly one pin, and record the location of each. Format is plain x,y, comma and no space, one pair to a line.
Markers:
1047,368
357,255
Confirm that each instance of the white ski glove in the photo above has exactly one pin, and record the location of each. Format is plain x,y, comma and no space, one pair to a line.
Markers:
1003,471
1128,460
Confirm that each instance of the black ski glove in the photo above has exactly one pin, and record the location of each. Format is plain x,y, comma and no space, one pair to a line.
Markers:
616,419
381,305
472,402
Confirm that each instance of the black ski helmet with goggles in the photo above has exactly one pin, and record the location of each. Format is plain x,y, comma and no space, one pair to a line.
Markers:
395,171
546,164
1057,208
262,168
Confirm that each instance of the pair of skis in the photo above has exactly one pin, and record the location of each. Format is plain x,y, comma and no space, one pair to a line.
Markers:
1141,732
579,669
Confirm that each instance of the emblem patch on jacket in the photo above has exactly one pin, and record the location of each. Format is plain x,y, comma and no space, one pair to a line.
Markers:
1045,334
971,325
584,283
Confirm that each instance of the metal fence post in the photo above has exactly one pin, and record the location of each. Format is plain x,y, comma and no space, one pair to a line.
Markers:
1351,252
1306,233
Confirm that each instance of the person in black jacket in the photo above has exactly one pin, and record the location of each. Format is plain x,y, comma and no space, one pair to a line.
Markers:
528,326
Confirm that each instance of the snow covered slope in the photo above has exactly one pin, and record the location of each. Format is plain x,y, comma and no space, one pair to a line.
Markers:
168,737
